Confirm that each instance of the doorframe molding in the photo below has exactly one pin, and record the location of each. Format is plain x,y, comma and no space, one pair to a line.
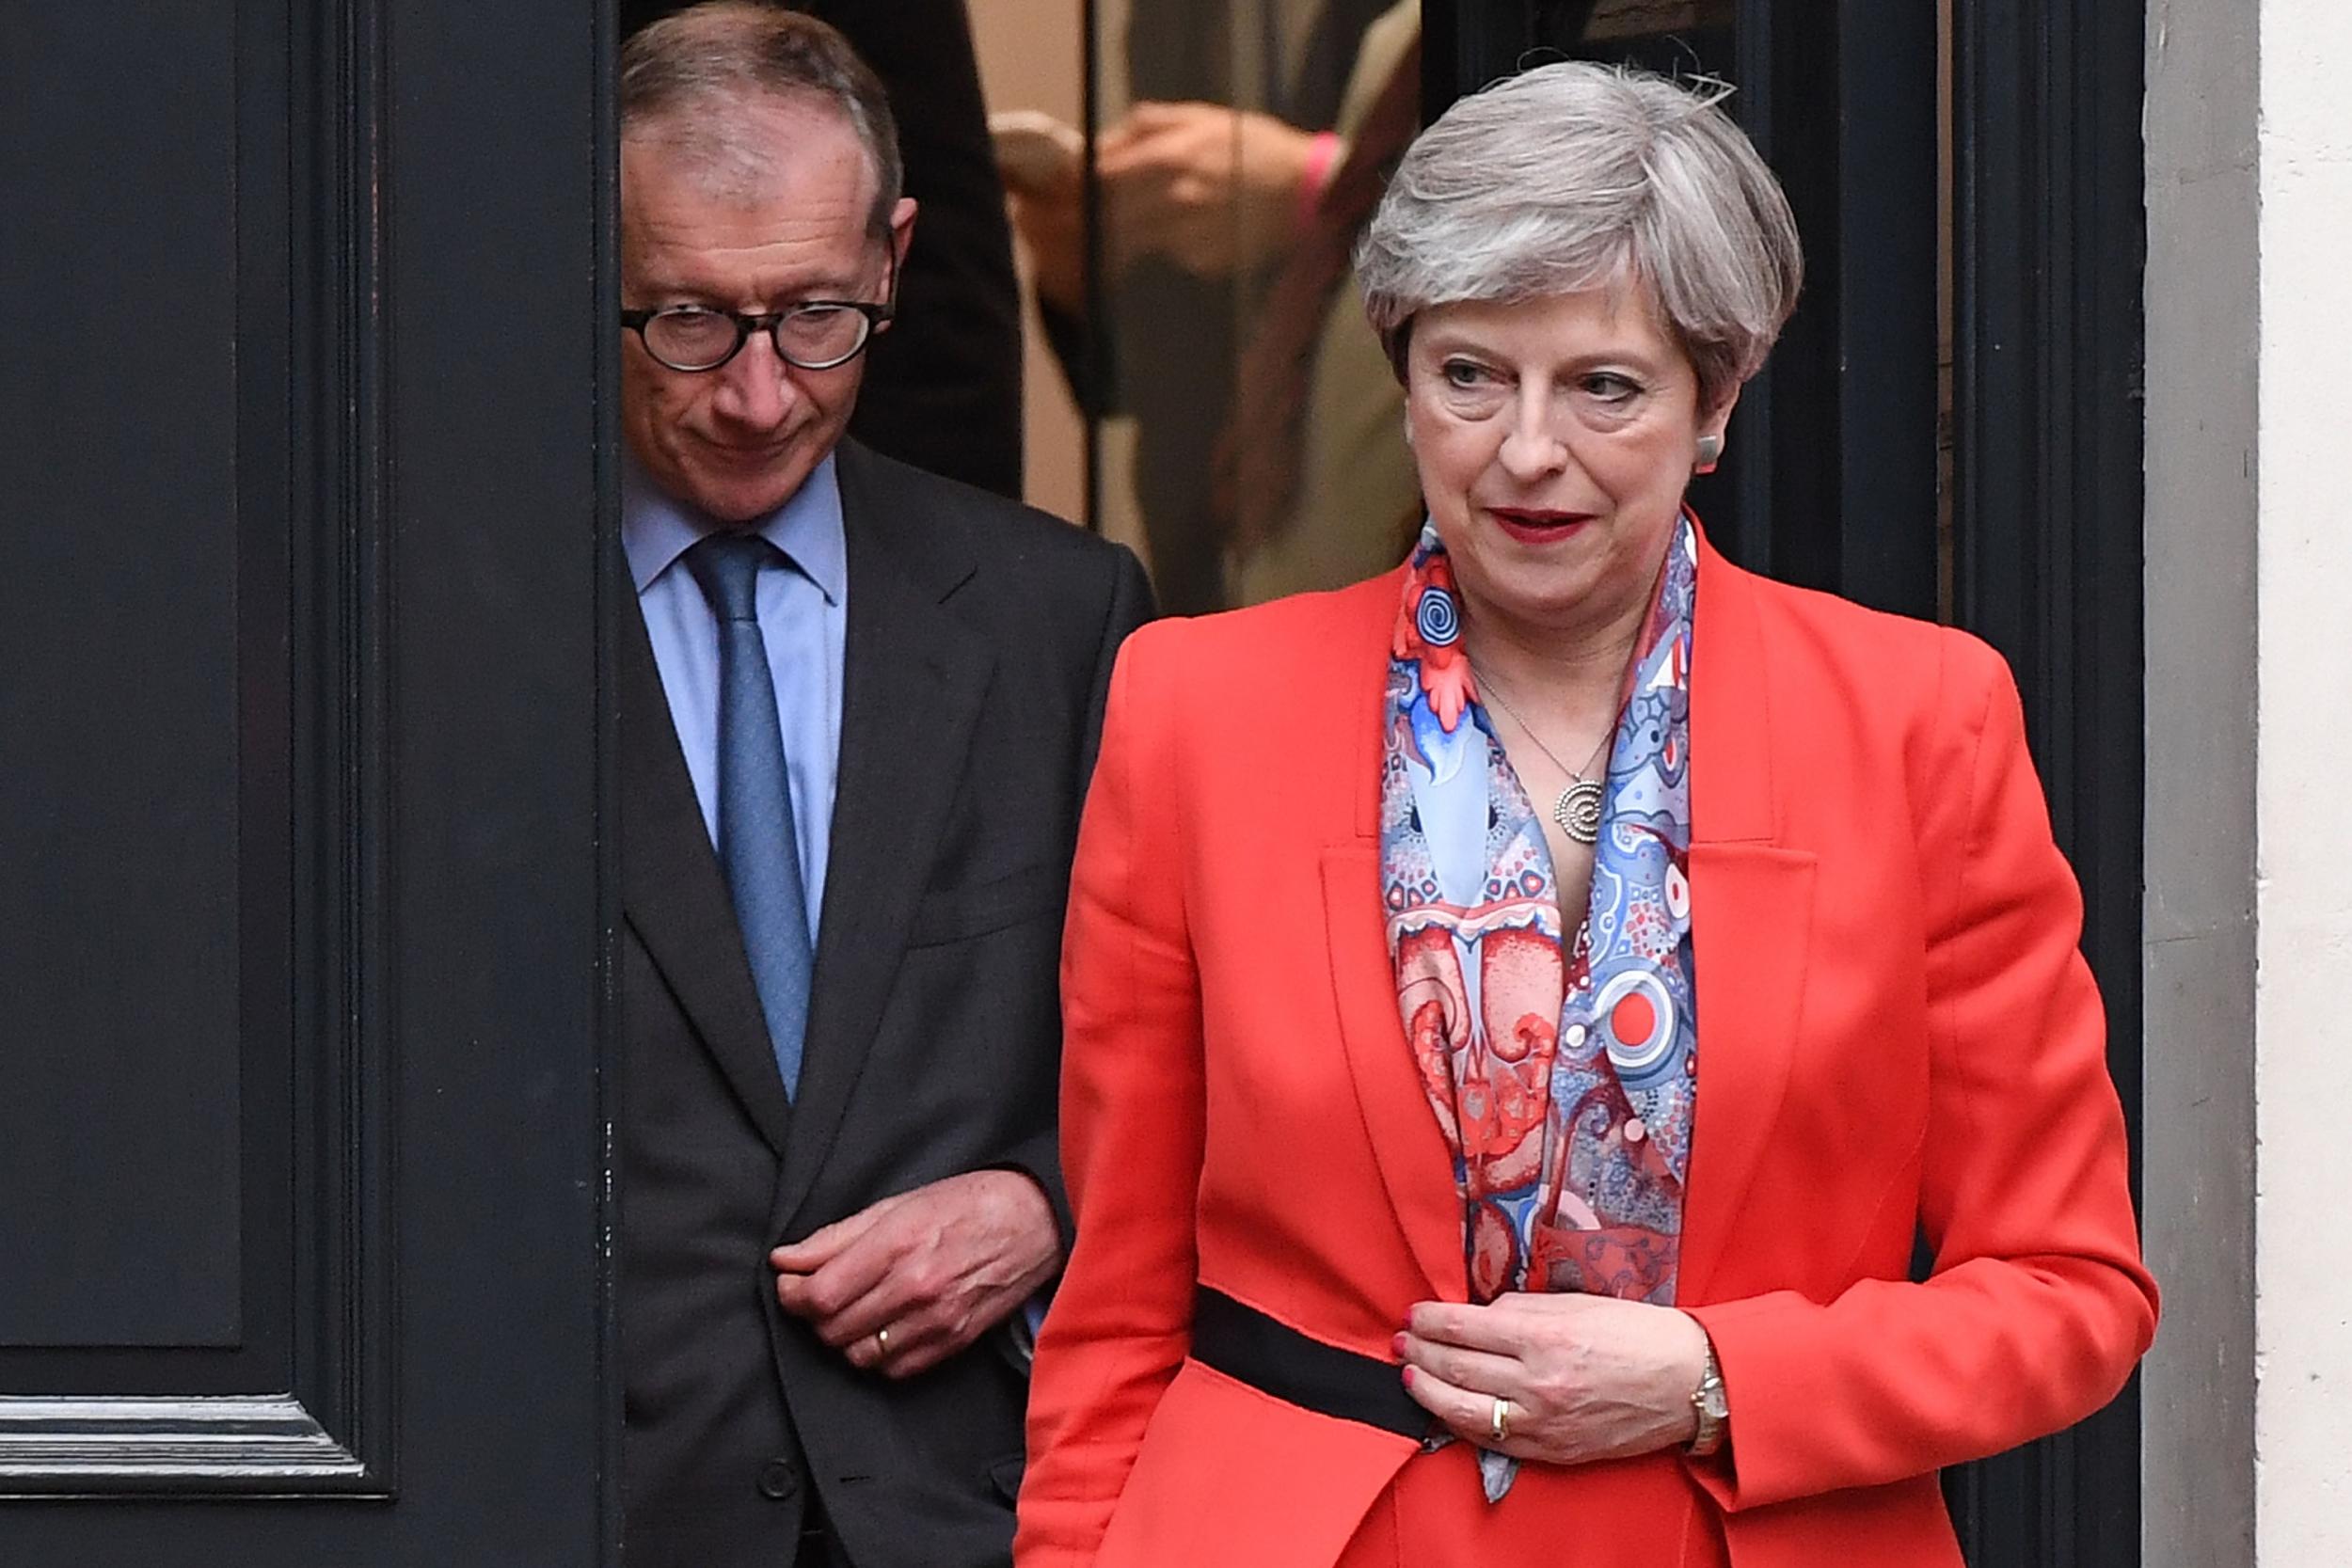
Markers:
2200,949
53,1447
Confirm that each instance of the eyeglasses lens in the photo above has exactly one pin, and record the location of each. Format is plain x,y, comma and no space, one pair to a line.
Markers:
818,334
690,337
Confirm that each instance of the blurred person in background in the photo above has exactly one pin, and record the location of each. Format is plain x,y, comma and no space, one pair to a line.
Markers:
1221,232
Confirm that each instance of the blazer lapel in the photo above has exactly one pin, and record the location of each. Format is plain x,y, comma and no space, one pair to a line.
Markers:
1415,1165
1752,906
676,899
1416,1169
913,679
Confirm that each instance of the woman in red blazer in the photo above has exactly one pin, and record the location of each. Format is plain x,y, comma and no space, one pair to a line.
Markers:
1520,1010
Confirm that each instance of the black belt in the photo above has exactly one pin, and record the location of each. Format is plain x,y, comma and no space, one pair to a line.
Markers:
1274,1359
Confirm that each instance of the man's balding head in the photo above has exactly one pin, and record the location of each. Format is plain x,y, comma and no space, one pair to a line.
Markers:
704,85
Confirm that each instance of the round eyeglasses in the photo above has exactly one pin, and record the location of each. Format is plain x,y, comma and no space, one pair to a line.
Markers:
815,334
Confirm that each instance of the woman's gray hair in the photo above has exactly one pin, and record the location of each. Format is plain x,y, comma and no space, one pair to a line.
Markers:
1576,176
686,79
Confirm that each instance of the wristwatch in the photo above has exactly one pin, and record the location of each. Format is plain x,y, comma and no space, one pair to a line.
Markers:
1713,1409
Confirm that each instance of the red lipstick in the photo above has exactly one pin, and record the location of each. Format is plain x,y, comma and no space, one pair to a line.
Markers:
1531,524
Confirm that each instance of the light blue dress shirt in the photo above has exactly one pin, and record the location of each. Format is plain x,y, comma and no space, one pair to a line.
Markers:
804,600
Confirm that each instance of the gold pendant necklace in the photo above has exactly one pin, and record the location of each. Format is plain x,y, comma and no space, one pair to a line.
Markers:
1577,807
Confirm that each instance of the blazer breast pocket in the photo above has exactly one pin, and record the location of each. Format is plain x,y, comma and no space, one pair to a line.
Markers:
959,914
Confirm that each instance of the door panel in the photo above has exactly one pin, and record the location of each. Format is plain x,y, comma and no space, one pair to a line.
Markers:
304,934
122,996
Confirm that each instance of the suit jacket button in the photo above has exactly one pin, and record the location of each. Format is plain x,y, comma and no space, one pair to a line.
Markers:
777,1481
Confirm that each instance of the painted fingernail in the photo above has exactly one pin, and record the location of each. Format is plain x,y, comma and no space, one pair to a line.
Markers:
1408,1377
1397,1346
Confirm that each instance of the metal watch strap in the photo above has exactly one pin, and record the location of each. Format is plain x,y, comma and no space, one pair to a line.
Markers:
1713,1411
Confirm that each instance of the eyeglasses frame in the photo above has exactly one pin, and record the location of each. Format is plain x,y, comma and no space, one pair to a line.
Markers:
748,322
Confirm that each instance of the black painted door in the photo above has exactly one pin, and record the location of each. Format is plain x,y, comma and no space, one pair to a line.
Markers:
305,892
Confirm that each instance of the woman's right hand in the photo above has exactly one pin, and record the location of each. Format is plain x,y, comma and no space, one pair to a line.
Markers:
1587,1377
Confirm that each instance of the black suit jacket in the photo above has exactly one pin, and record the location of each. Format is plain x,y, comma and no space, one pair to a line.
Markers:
979,645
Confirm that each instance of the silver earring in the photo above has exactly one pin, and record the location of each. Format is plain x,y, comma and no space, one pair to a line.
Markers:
1710,452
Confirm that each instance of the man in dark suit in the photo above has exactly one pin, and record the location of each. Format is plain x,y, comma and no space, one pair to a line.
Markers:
860,707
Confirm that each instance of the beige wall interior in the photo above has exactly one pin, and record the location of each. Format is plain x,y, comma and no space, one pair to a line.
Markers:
1030,59
1031,56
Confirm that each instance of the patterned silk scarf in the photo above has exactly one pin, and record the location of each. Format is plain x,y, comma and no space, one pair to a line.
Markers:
1563,1076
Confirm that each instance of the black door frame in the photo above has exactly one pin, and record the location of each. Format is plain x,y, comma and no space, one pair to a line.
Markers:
1834,477
2051,229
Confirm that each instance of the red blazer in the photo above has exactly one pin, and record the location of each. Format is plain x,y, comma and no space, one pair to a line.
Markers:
1897,1033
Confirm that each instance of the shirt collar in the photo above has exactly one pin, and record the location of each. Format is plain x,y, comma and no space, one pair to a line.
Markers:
657,528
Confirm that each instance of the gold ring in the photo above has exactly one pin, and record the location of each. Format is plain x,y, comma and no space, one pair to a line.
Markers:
1498,1423
882,1342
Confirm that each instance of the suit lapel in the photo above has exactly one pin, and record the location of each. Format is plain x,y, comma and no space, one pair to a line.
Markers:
676,899
913,679
1752,906
1415,1167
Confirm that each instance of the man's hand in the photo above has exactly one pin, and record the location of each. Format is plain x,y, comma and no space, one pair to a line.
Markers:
936,1267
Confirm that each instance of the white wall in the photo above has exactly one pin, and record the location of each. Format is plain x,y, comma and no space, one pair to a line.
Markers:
2303,872
2249,934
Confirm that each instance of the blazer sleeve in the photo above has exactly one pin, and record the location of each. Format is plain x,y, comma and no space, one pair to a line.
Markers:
1038,1156
2038,1304
1131,1128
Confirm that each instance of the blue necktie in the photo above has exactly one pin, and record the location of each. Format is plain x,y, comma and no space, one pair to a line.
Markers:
758,846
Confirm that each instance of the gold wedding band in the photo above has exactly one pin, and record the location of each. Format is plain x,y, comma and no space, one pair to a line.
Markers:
882,1342
1498,1423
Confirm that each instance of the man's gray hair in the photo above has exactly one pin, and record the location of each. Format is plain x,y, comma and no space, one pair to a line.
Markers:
1576,176
686,79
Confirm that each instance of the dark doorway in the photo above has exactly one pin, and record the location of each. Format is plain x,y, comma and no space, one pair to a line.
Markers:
2050,241
303,977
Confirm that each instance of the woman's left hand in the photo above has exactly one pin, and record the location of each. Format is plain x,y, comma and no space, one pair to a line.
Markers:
1588,1377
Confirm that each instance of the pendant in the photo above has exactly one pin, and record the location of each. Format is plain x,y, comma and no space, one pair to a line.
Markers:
1578,811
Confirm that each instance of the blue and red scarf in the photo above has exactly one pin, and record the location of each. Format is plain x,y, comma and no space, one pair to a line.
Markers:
1563,1073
